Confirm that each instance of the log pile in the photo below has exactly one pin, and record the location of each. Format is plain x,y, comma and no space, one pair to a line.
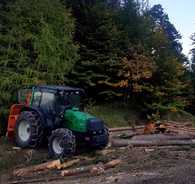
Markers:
143,143
176,134
92,170
96,169
182,129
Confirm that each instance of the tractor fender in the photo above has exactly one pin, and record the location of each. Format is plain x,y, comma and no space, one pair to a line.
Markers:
43,120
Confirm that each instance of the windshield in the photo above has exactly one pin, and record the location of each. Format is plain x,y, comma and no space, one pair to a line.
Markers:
72,100
56,102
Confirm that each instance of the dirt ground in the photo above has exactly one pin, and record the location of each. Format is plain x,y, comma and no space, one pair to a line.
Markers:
144,165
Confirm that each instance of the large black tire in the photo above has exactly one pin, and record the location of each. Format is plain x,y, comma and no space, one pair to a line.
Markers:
62,143
34,130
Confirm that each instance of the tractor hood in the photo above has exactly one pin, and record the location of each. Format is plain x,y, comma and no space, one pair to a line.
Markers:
78,121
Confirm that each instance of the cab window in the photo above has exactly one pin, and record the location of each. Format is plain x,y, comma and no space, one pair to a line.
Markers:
36,98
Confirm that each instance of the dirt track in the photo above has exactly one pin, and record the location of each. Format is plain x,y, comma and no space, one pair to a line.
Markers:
152,165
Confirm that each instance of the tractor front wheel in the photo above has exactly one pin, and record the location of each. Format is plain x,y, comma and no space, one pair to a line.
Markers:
62,143
29,130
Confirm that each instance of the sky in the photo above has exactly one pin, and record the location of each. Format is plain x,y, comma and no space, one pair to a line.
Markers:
182,15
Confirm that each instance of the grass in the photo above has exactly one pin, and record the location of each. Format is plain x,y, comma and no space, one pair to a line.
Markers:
118,115
179,116
114,115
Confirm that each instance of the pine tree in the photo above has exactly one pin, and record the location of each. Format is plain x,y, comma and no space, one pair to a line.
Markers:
161,19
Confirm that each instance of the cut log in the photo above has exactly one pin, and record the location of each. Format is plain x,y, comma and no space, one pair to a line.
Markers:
112,164
143,143
182,128
128,135
29,170
71,172
182,131
97,170
56,164
173,123
93,169
105,152
125,129
161,137
68,164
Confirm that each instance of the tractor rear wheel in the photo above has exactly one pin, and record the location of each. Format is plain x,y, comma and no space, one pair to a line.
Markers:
62,143
29,130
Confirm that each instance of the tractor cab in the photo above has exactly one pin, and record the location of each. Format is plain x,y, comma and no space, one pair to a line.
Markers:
51,97
54,100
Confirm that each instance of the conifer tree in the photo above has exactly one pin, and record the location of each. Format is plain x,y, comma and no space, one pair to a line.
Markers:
101,43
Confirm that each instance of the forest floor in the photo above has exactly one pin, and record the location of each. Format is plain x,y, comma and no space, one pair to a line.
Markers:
140,165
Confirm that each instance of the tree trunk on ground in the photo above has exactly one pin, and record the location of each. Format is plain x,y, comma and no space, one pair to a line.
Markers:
56,164
125,129
143,143
161,137
93,169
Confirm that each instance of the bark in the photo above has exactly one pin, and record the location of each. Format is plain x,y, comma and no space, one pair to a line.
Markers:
172,123
56,164
161,137
143,143
68,164
125,129
182,131
93,169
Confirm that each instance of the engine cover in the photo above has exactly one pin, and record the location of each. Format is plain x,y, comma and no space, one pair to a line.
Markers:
76,120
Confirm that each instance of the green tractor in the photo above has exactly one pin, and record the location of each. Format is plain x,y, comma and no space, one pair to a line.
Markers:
55,113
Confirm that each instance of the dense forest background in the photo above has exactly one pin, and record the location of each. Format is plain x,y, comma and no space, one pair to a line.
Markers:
123,52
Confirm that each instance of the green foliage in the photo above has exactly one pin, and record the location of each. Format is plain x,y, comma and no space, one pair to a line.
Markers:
37,40
101,43
161,19
36,46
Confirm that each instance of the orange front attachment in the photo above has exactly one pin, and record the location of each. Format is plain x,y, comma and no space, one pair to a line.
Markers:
14,113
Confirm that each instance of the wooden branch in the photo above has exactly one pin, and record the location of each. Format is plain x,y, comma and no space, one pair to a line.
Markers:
143,143
56,164
93,169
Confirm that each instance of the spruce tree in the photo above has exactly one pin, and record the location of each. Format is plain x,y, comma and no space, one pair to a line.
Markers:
101,43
